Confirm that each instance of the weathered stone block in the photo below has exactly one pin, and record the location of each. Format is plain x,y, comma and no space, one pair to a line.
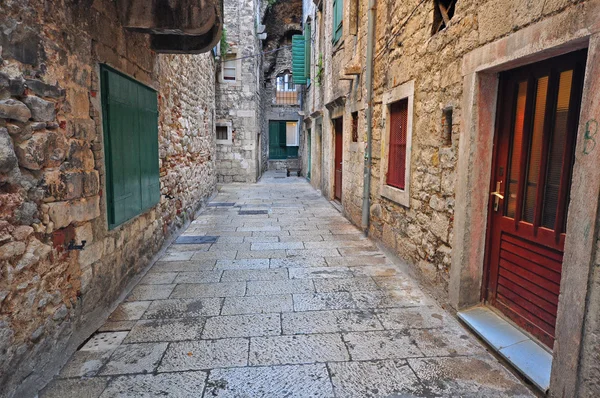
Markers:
36,251
46,149
82,129
44,90
11,249
62,185
64,213
8,158
80,156
84,232
41,110
15,110
22,232
26,214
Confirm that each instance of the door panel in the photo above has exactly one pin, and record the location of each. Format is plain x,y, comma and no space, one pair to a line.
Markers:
538,108
339,145
277,148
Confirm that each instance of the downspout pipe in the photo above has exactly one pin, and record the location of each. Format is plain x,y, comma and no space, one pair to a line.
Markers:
366,206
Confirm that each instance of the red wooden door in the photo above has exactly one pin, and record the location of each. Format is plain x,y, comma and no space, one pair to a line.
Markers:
339,145
538,112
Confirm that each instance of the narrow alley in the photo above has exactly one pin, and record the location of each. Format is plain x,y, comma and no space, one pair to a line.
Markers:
299,198
272,293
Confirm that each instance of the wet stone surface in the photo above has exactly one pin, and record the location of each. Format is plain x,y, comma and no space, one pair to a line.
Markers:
292,303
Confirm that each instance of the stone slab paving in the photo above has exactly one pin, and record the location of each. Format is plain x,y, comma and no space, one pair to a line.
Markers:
292,303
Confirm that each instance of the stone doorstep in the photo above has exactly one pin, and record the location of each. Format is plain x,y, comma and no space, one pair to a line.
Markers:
525,354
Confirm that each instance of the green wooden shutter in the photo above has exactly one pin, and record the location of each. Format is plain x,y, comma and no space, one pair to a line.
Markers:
130,119
298,59
277,148
149,174
307,52
338,18
282,134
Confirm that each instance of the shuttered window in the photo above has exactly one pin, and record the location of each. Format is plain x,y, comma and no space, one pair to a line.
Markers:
229,68
130,117
396,175
338,17
298,59
308,50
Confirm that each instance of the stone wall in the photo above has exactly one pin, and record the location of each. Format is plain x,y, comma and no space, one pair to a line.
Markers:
52,176
239,102
406,50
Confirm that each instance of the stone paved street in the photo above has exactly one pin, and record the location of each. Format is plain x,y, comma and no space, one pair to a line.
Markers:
291,303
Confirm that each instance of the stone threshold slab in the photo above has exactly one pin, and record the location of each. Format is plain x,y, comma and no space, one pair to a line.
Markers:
525,354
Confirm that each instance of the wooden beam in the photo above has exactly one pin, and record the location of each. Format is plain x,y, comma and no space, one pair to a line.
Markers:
444,13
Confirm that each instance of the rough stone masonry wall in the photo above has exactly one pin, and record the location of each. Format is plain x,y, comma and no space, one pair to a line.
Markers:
239,103
421,234
52,176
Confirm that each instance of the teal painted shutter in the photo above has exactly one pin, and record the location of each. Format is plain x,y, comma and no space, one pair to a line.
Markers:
282,134
338,17
298,59
131,146
277,148
307,52
148,117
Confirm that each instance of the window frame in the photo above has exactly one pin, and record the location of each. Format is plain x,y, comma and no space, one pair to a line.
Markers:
223,123
238,69
297,133
404,91
287,87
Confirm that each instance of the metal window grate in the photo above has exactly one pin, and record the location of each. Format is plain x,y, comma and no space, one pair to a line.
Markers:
398,134
221,132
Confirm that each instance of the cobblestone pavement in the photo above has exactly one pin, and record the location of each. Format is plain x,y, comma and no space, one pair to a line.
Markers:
291,303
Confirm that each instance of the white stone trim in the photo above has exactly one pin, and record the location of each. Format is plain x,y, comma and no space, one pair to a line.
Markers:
404,91
223,123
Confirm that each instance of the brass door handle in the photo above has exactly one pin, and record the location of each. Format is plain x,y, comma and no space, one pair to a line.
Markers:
497,195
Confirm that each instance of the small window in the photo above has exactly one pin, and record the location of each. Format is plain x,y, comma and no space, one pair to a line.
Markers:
396,176
291,134
354,126
286,92
229,68
222,133
447,125
443,11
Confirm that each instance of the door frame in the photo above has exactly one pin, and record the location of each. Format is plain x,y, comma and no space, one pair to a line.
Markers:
572,59
333,121
556,35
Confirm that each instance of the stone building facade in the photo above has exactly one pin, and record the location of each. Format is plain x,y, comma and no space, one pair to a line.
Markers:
281,101
53,178
446,67
238,91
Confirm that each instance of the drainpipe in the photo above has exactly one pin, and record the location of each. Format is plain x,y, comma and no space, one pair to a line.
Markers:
369,80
